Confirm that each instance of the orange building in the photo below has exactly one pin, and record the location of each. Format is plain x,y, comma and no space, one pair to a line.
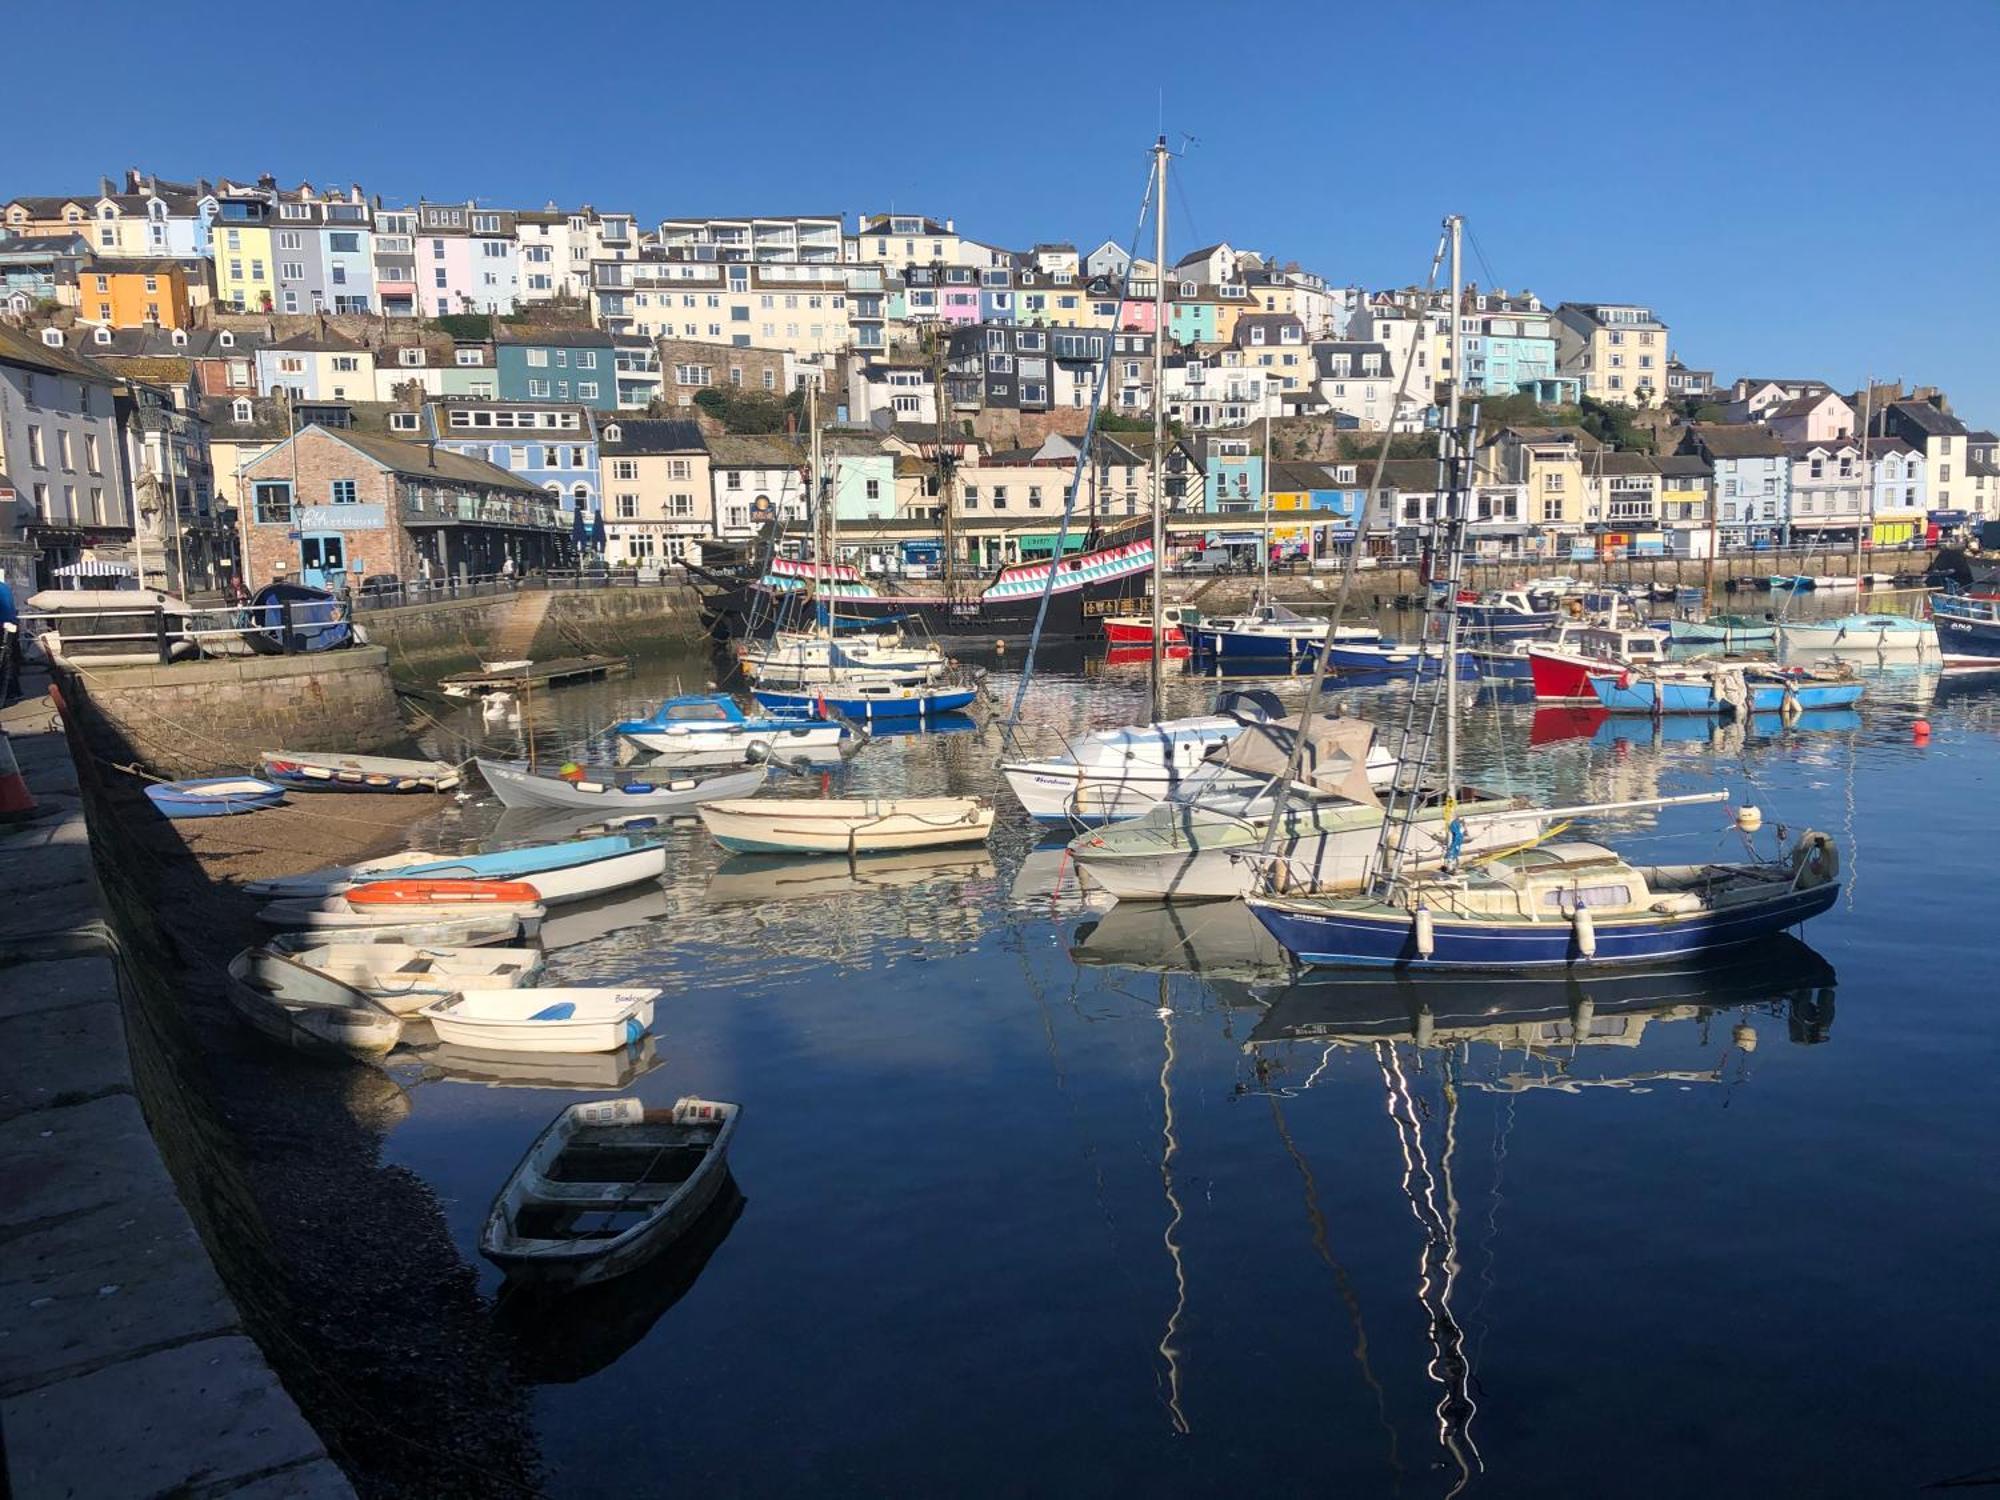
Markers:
133,293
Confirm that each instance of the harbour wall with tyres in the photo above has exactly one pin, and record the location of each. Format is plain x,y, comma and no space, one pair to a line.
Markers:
127,1366
1381,587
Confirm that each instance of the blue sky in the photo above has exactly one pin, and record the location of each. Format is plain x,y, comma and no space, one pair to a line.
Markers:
1799,189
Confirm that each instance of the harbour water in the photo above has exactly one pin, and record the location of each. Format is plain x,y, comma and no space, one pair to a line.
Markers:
1041,1195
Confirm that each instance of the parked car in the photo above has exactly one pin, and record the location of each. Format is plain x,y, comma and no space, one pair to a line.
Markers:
377,584
1214,560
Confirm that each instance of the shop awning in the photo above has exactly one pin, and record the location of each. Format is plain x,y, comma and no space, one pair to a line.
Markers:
95,568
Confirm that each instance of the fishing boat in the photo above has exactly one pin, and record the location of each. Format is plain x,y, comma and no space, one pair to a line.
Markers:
332,880
1968,625
313,771
607,1187
559,1020
709,729
847,825
321,923
869,699
284,619
1559,905
402,977
1271,632
1113,773
313,1012
112,627
1705,688
1206,848
214,796
1883,635
1562,671
569,871
609,788
1505,612
1730,632
336,918
1137,630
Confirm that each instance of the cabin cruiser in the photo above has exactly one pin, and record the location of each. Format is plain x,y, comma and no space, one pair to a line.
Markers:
798,659
1562,668
1269,631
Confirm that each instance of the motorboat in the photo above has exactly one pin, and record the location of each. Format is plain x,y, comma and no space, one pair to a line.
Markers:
1271,632
846,825
709,729
806,659
1562,670
1730,632
1137,630
610,789
1112,773
870,698
1882,635
1504,612
1725,688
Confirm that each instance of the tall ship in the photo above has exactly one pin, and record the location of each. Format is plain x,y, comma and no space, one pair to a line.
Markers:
1112,576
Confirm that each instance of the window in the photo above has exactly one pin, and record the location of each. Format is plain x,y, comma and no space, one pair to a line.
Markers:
402,421
90,453
538,389
999,497
680,505
624,468
872,489
63,449
586,390
971,497
346,363
538,359
677,468
273,499
35,456
470,356
343,492
628,507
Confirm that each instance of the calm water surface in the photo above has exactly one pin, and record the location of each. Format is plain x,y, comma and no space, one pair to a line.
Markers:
1044,1196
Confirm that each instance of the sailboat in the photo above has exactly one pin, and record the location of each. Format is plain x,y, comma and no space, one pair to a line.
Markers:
1550,906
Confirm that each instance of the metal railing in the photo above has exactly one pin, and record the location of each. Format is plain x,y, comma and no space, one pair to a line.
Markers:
169,636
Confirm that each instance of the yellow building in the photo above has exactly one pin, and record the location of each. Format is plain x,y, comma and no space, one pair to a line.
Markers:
1548,463
1618,351
244,274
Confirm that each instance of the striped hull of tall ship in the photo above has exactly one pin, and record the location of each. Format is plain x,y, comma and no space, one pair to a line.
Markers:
1114,578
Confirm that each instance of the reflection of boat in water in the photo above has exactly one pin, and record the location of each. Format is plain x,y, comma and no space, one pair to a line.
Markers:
557,1338
585,921
1436,1010
1693,729
1214,938
762,877
1049,879
536,1070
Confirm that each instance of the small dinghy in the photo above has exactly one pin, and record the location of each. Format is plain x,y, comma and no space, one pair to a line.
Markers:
424,929
610,788
569,871
847,825
402,977
401,890
607,1187
308,1010
336,918
332,880
310,772
563,1020
288,617
214,796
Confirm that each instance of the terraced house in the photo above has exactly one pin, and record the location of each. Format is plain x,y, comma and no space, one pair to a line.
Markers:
465,259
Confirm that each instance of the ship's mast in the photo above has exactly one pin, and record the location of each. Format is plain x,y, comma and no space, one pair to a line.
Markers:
1159,417
945,460
1453,496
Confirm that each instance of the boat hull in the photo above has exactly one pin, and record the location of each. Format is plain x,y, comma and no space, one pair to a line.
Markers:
919,705
308,772
1132,631
1564,677
214,797
517,786
866,826
1329,939
1697,696
597,1033
1884,636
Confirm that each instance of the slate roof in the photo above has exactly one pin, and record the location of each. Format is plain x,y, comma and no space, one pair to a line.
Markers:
1928,419
1798,406
1609,463
1735,440
19,348
1685,466
567,338
754,451
323,343
423,461
652,435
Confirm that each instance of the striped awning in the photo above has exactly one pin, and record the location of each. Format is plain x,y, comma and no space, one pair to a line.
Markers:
97,569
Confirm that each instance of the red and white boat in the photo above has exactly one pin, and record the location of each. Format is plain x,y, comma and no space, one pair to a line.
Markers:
1137,630
1562,670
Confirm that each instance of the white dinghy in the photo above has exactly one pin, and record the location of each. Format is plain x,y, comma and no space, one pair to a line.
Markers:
847,825
333,880
608,1186
405,977
560,1020
336,914
308,1010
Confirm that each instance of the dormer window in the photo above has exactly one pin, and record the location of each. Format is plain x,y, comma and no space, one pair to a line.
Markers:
52,337
411,357
611,433
240,409
179,337
103,335
226,339
1187,288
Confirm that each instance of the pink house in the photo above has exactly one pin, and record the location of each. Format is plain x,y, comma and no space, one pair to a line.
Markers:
1824,418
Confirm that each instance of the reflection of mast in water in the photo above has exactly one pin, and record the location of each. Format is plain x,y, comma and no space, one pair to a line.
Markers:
1170,1148
1323,1247
1437,1264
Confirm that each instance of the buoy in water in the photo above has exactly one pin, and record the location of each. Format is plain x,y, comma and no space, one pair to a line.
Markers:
1921,731
999,648
1745,1036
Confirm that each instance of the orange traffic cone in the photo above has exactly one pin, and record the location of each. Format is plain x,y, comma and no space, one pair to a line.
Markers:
15,799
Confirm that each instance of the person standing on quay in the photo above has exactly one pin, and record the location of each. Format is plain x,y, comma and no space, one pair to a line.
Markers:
10,645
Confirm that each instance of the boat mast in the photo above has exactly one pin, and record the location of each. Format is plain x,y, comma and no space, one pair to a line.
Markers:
822,521
945,459
1159,416
1866,518
1453,497
1267,496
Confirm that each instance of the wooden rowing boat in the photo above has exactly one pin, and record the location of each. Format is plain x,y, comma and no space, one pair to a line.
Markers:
307,1010
608,1186
322,771
847,825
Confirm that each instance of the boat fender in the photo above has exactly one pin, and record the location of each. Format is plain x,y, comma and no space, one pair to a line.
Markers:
1424,932
588,786
637,788
609,1112
1815,861
1750,819
1586,931
685,784
1744,1035
315,773
633,1030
